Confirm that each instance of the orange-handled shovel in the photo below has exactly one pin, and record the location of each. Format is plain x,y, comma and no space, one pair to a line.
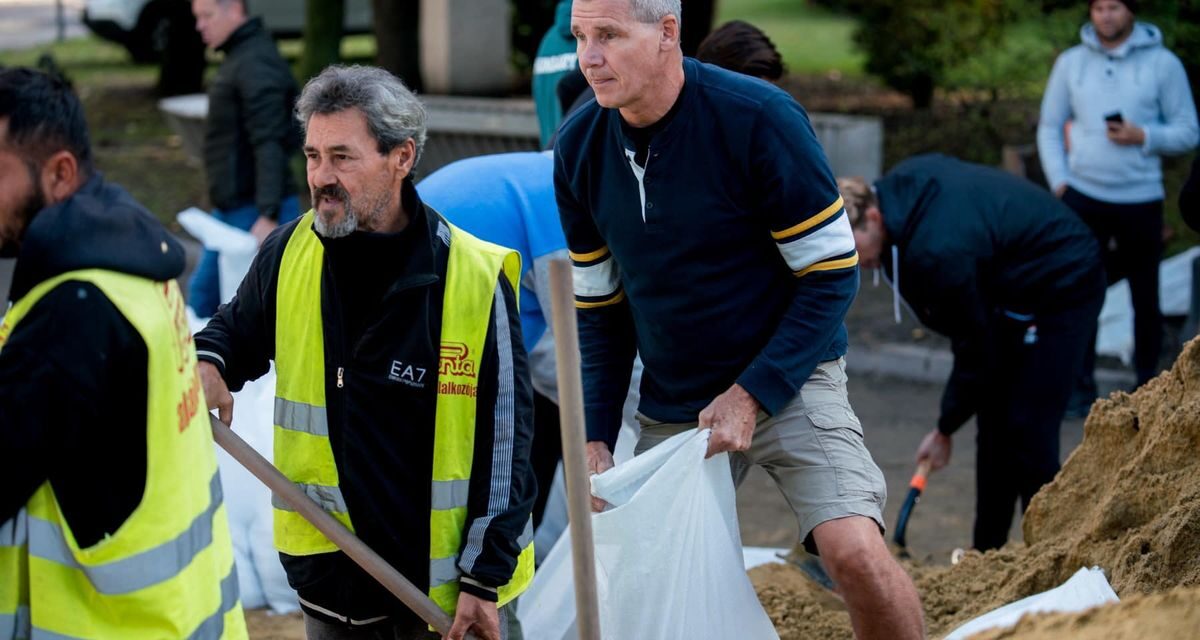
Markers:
915,487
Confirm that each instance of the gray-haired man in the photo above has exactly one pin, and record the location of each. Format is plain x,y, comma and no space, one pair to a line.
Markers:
708,236
403,402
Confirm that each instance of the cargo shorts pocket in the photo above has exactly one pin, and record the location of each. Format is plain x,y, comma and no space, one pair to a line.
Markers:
840,435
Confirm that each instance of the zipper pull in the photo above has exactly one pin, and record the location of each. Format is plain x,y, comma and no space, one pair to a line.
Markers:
340,383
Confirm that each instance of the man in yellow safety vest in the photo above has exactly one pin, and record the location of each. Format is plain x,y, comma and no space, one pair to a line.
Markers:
111,518
403,402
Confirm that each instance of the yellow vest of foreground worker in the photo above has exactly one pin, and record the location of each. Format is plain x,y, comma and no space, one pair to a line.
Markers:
168,571
302,449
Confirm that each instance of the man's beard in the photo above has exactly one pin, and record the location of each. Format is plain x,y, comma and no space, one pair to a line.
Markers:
349,223
24,217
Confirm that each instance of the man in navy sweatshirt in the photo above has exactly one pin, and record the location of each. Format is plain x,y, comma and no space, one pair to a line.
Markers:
1128,102
708,235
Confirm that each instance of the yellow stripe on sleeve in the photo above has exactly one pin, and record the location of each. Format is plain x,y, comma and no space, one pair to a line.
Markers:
604,303
825,214
831,265
590,256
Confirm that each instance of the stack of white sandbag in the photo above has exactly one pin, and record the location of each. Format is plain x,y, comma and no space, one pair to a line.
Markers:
261,579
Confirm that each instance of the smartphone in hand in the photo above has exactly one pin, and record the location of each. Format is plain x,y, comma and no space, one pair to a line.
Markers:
1113,118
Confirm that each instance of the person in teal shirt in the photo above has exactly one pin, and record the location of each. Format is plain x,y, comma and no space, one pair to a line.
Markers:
555,58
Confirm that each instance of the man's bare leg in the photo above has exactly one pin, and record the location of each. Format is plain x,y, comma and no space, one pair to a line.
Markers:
882,600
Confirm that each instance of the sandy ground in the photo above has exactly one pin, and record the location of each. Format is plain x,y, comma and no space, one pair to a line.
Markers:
1127,500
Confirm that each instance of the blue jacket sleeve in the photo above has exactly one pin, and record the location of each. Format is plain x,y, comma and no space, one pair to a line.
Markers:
1179,131
1055,111
804,213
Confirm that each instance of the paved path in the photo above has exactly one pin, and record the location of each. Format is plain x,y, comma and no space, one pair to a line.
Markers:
28,23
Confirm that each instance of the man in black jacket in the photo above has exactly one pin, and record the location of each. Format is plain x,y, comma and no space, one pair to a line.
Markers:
1014,278
355,302
249,134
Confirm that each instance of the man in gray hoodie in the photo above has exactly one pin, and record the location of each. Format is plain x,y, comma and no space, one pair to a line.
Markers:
1114,104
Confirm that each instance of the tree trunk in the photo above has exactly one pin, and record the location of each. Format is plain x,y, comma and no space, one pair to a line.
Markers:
697,23
322,36
920,89
397,39
183,61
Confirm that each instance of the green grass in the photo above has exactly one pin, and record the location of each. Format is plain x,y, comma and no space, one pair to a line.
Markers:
811,40
131,142
357,48
87,60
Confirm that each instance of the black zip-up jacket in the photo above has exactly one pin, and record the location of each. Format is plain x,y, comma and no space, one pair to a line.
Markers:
381,422
250,133
977,244
73,372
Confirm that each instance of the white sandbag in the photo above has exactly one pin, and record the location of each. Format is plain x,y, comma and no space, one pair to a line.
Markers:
1115,336
236,247
261,579
758,556
1086,589
547,608
668,552
554,518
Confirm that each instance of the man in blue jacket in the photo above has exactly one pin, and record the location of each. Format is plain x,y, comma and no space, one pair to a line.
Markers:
1128,102
707,235
1014,279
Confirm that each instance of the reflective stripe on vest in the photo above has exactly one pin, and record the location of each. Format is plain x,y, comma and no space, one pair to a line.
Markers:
15,625
168,570
297,416
14,597
444,571
132,573
302,448
213,628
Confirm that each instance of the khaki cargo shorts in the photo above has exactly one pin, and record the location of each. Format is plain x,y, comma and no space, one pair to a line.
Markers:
813,449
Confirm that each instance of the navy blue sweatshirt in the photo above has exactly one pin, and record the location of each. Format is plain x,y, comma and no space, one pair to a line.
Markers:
729,260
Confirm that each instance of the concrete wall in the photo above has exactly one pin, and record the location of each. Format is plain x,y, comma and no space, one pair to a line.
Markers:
462,50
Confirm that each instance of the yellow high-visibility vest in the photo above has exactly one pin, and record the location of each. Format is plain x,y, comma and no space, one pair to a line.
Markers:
168,571
302,449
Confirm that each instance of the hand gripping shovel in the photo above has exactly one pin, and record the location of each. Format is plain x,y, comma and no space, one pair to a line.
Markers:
360,553
915,487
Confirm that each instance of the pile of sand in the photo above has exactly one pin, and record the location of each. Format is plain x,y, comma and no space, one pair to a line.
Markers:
1127,500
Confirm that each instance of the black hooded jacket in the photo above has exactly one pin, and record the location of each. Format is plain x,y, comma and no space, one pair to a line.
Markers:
976,245
73,372
250,133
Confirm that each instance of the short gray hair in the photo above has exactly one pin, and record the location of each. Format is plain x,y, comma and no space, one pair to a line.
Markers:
650,11
393,112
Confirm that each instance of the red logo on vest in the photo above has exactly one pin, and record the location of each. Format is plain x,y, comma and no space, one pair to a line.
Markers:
455,360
